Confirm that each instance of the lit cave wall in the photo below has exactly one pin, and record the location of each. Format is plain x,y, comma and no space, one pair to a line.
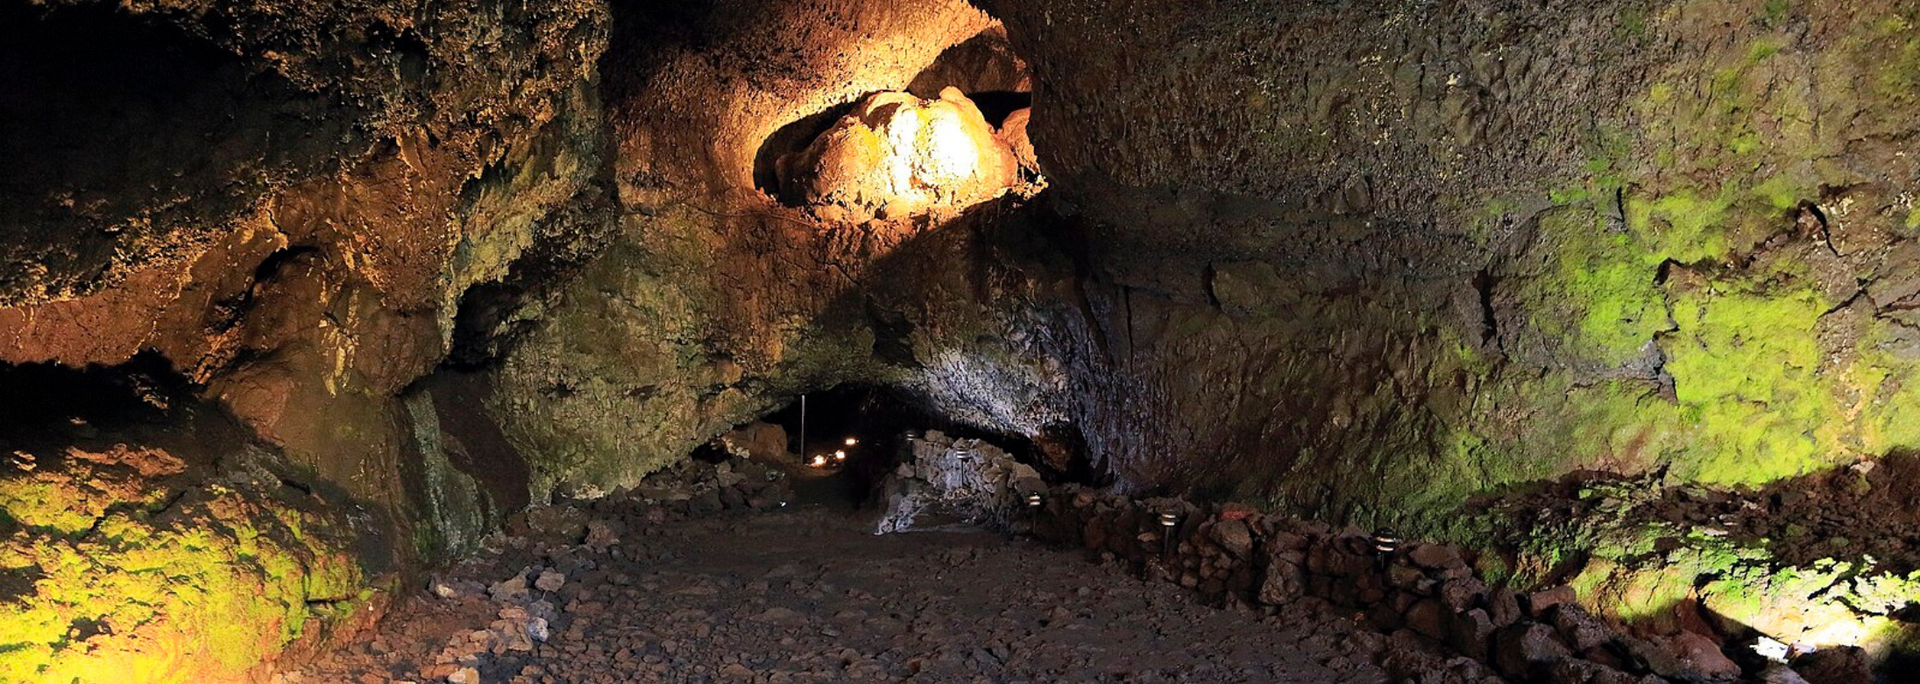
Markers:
324,292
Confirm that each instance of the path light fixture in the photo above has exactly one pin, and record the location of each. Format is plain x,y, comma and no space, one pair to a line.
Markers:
840,455
852,441
1168,519
1385,542
1033,500
819,460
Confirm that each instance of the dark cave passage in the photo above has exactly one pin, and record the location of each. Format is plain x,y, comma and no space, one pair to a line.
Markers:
854,436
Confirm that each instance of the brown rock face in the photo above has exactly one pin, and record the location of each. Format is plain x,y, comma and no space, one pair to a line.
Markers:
897,155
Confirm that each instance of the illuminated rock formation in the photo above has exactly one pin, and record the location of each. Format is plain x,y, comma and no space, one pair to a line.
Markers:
897,155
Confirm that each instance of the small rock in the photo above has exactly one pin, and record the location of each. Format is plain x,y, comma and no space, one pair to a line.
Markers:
1581,629
1539,602
1573,671
511,589
1435,556
465,675
550,580
1233,535
601,534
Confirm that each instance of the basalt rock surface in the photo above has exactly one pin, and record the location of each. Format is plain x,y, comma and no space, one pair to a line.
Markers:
1367,261
1445,248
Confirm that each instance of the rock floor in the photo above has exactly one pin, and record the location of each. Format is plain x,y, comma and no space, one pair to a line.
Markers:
809,594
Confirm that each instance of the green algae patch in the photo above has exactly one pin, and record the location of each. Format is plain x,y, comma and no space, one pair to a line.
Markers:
190,582
1746,363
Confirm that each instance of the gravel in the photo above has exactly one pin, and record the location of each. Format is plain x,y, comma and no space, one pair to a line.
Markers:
807,594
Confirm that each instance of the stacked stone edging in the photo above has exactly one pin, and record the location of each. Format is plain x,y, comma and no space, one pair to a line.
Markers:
1420,591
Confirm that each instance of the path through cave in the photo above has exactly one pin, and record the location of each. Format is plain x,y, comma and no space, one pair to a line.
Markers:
808,594
855,435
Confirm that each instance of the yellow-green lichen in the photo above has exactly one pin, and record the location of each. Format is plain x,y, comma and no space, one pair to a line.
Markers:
216,584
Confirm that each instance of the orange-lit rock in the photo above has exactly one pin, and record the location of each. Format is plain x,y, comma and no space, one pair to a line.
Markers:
1013,134
897,155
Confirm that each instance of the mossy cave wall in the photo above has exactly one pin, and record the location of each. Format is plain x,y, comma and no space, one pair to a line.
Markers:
1438,251
1364,260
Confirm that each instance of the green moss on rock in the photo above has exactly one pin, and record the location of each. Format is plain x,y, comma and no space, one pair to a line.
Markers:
202,590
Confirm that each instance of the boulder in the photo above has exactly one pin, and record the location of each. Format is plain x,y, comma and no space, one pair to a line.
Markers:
1503,607
1685,656
1539,602
1468,632
1435,556
760,441
1281,583
1522,649
1462,594
1837,665
1580,628
1233,535
1428,617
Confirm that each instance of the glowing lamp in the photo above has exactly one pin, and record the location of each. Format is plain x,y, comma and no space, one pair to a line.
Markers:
852,441
819,460
840,455
1771,649
1033,500
1385,542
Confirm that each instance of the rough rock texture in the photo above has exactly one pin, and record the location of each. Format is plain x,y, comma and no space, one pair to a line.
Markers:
304,293
1364,260
718,303
967,479
897,155
145,537
286,204
1443,247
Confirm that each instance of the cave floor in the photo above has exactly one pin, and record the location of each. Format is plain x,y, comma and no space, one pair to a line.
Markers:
808,594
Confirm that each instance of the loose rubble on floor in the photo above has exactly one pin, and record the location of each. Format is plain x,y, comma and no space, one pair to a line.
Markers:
702,574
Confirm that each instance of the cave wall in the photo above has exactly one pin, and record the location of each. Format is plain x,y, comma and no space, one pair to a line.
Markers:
716,303
425,265
311,299
281,209
1414,252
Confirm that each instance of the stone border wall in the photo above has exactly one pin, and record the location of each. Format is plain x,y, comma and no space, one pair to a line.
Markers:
1424,592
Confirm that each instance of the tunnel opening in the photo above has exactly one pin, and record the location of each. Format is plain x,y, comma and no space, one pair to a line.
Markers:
48,398
852,437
